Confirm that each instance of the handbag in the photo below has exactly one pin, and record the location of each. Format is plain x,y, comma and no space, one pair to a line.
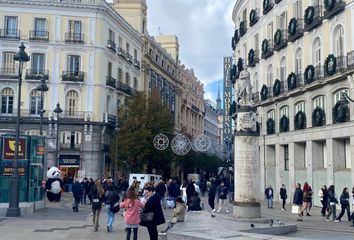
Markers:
146,216
295,209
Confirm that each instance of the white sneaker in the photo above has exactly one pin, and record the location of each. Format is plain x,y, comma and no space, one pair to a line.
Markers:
213,210
283,209
227,211
219,210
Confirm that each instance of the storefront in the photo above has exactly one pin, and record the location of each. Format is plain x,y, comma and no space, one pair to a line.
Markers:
69,165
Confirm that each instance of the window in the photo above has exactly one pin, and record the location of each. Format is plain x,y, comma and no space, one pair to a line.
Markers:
135,54
70,139
111,35
120,75
157,58
283,69
108,104
38,62
135,83
244,15
284,111
10,26
348,163
127,48
74,64
109,69
316,54
338,95
270,31
75,26
271,114
8,62
338,41
270,75
7,100
286,158
245,51
120,42
298,9
282,21
40,27
319,102
256,42
300,106
35,102
71,102
127,79
298,61
256,82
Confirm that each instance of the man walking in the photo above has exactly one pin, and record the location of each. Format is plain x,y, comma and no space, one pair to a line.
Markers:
77,194
269,194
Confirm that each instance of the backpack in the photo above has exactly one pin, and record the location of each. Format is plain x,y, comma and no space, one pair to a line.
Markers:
114,208
96,203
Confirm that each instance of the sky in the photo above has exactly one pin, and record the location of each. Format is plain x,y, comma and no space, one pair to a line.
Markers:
204,29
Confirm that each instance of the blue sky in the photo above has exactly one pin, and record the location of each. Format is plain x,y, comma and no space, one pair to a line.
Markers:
204,29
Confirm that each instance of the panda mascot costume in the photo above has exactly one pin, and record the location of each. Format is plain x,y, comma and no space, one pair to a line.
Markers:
54,185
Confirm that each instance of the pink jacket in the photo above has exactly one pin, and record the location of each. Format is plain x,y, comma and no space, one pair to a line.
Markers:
132,210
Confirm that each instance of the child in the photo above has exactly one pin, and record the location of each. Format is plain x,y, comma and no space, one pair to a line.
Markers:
132,218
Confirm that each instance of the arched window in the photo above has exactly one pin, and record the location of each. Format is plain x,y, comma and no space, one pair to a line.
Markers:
298,61
338,95
319,102
256,83
35,102
7,100
284,111
135,83
270,75
316,52
300,106
338,37
283,69
108,104
271,114
127,79
71,102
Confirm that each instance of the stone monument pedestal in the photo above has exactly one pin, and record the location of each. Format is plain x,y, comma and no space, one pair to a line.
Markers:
247,165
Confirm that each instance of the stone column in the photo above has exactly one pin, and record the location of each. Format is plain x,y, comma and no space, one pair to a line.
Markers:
247,170
291,169
278,169
352,157
330,169
309,165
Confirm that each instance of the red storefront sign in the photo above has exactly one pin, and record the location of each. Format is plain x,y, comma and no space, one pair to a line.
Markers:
9,148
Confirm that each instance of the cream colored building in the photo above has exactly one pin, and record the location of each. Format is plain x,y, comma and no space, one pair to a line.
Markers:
159,64
300,56
91,59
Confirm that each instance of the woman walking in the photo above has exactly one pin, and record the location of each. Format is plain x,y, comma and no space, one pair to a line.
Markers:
283,196
131,218
344,203
323,194
190,189
211,196
183,188
307,191
332,199
222,193
153,207
97,198
111,197
353,207
298,200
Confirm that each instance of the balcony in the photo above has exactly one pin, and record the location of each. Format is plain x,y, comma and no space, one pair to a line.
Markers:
195,108
236,37
109,119
296,29
69,146
184,101
10,34
73,76
124,88
253,58
76,38
313,74
333,9
254,16
277,1
243,28
42,36
313,17
8,73
111,82
136,63
129,58
37,74
111,45
267,6
280,40
255,97
267,48
350,60
121,53
338,67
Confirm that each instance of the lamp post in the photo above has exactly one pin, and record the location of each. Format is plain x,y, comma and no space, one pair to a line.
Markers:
42,88
57,110
14,193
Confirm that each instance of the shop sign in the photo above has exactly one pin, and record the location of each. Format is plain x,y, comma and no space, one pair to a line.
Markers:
69,160
8,171
227,123
40,150
9,148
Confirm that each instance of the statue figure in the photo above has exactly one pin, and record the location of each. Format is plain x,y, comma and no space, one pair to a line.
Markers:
243,89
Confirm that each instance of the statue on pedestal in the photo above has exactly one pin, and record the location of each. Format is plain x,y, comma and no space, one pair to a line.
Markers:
243,89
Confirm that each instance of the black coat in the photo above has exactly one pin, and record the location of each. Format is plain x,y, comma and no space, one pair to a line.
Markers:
212,191
298,197
344,198
195,204
77,190
153,204
283,194
111,197
269,193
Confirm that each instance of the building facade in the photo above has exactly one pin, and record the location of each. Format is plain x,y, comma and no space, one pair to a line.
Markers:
90,58
300,56
211,128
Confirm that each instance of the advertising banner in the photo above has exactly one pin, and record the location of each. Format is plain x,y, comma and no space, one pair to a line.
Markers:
227,123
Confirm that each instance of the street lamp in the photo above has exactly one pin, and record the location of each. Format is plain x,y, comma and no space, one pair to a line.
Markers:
42,88
14,198
57,110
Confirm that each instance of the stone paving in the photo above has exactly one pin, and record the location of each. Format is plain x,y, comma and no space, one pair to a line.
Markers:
57,222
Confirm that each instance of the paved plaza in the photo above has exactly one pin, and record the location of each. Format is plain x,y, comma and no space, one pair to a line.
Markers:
57,221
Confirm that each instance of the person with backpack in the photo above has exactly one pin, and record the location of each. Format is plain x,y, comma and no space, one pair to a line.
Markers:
222,193
111,198
344,203
97,199
132,206
77,194
283,196
211,196
332,199
323,194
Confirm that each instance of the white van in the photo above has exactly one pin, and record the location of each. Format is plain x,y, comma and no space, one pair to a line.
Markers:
144,178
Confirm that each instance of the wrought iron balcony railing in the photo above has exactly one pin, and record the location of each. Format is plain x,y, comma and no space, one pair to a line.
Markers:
332,10
121,53
8,73
73,76
110,82
72,37
136,63
10,34
37,74
313,17
39,36
111,45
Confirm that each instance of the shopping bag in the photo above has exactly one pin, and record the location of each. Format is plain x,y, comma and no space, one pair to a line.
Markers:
295,209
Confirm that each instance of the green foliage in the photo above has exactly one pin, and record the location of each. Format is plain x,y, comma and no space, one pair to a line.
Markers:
318,117
341,112
276,88
270,126
284,124
292,81
292,28
309,74
329,4
309,14
264,93
278,37
265,46
300,120
330,65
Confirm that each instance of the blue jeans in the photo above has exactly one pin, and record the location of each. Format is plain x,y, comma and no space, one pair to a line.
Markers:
270,202
110,217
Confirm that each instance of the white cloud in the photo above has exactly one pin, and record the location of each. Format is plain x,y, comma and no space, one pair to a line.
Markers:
204,29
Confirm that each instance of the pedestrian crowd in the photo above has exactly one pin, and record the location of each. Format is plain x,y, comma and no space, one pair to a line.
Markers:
303,201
